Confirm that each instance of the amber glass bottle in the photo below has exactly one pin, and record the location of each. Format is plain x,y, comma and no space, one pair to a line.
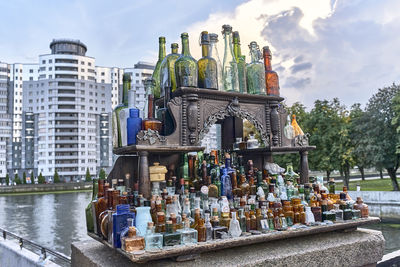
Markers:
201,231
150,122
271,77
207,66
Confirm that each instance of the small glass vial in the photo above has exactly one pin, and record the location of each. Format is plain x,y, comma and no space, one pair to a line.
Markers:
154,241
133,242
209,228
188,235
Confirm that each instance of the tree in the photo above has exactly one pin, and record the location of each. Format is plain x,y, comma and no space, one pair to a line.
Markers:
16,179
32,177
41,179
358,122
88,176
56,177
102,174
7,179
381,126
24,178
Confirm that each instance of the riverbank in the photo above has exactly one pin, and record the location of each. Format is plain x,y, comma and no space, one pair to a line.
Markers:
45,188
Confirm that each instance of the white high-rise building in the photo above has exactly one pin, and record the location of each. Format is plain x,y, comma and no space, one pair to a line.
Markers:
5,120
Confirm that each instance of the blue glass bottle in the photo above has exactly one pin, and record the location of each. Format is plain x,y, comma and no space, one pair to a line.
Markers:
134,125
120,222
226,185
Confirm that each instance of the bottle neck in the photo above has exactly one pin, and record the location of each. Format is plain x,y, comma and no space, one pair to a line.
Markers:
237,50
267,62
174,50
254,56
126,88
185,46
150,106
205,50
228,44
161,51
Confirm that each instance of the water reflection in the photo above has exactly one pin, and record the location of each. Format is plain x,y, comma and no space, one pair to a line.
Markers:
391,232
52,220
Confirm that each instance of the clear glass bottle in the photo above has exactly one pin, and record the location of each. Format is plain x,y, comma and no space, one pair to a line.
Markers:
234,226
171,237
188,235
156,73
153,240
132,242
196,206
186,66
226,185
230,75
118,124
288,130
271,77
255,71
207,66
241,62
215,54
309,216
209,228
170,187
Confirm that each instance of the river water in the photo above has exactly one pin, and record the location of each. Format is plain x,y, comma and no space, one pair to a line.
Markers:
57,220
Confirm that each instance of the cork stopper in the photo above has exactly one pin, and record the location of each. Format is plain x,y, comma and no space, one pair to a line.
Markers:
132,231
150,224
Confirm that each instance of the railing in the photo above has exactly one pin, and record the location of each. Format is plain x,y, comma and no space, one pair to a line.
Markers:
55,257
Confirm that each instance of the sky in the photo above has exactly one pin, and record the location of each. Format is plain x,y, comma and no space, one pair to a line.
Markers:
321,48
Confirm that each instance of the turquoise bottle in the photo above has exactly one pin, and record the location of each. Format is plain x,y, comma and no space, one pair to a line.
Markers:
186,66
230,75
255,72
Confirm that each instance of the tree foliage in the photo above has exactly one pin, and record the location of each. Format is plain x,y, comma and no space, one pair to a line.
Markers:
7,179
41,179
16,179
24,178
102,174
56,177
88,176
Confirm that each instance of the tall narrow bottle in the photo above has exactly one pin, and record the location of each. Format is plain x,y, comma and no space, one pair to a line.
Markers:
90,224
255,72
167,72
150,122
230,74
156,73
215,55
186,66
241,62
271,77
207,66
119,124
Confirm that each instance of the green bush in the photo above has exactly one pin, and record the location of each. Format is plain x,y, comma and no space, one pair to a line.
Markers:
41,179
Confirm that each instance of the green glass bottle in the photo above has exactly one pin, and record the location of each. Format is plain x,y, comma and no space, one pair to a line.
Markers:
118,124
230,74
89,210
167,71
207,66
156,73
186,66
241,62
255,72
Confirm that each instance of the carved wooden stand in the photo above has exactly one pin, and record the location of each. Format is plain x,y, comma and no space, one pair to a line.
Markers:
194,111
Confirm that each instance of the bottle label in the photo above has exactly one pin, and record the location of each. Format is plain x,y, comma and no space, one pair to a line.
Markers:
204,190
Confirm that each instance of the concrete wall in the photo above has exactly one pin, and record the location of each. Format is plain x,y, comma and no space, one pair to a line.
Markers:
45,187
11,255
384,204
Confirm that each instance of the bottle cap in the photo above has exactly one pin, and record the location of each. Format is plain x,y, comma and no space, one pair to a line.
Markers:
236,37
184,34
226,28
174,45
205,38
213,37
134,113
161,39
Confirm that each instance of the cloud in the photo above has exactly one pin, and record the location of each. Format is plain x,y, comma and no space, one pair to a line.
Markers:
300,67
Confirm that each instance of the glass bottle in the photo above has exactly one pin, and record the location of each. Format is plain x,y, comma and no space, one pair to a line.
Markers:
171,238
230,75
241,62
215,54
167,72
118,124
153,240
288,130
90,217
290,175
156,73
331,185
234,226
309,216
134,125
201,231
150,122
186,66
207,66
188,235
133,242
226,186
209,228
360,205
120,222
255,71
271,77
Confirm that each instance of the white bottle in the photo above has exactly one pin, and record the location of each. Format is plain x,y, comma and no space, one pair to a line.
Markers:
309,216
234,226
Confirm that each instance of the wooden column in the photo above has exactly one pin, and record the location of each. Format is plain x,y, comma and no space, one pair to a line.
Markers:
144,175
304,167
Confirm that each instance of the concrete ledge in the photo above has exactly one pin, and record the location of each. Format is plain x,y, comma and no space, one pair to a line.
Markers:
27,188
11,255
358,248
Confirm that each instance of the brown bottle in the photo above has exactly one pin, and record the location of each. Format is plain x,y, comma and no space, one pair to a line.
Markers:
360,205
102,201
150,122
244,186
259,217
160,224
271,77
302,214
201,231
133,242
235,190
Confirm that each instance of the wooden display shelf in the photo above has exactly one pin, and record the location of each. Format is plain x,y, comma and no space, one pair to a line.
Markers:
191,251
275,150
133,149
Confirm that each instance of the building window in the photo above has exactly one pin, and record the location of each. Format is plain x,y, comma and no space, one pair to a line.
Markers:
102,74
43,61
82,63
31,71
137,74
50,61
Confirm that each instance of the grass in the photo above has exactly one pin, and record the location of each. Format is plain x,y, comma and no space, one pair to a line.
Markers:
370,185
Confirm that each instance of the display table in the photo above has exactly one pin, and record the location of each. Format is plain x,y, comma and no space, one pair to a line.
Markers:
360,247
